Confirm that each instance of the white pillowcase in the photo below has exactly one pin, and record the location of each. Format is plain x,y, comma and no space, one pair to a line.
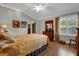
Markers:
9,37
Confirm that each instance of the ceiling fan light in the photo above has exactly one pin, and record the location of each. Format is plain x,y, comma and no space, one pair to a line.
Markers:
38,8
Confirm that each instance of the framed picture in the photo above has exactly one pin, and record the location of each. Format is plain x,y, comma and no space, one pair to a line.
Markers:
23,24
16,24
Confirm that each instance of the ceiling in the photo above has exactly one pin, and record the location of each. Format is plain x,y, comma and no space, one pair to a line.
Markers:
49,9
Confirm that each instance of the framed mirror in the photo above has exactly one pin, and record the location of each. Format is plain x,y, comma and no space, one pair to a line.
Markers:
49,25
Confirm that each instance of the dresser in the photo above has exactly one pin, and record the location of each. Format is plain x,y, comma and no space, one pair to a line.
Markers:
49,29
49,34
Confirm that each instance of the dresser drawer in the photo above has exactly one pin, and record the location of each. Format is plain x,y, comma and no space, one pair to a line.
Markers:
49,34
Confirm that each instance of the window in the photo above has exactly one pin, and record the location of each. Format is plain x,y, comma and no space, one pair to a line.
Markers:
68,24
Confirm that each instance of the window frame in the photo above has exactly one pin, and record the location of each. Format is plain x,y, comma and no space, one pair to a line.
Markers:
67,26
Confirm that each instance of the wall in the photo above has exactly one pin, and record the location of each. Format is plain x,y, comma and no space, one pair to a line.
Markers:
40,26
56,21
7,15
66,38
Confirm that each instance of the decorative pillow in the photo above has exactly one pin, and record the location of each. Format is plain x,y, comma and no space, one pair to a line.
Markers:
8,36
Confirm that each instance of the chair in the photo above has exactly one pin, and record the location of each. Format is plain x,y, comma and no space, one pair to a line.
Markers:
73,40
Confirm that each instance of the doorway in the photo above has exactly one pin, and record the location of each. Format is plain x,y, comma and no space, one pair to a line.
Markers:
29,29
34,27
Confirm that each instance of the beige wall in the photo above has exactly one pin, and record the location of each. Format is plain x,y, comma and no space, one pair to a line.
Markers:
7,15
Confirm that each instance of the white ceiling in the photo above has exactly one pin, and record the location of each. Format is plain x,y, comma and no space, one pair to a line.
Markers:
50,9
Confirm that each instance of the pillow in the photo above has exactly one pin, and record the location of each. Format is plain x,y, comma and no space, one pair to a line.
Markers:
8,36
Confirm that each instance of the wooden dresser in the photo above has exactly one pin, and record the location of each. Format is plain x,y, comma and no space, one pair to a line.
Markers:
49,29
49,34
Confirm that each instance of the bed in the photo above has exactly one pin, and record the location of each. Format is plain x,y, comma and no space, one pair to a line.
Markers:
27,44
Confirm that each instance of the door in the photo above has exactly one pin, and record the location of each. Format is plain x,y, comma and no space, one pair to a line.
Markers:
29,29
34,27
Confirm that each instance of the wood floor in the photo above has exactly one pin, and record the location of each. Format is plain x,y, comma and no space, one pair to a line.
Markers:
57,49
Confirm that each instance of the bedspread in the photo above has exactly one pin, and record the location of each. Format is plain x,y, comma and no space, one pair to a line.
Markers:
26,44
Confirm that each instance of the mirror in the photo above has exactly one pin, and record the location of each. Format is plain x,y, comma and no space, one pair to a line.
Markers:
49,25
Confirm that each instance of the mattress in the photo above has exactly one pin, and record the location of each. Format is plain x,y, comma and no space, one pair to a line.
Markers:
25,44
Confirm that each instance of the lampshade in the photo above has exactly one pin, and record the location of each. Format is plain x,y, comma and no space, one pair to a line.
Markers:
4,26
